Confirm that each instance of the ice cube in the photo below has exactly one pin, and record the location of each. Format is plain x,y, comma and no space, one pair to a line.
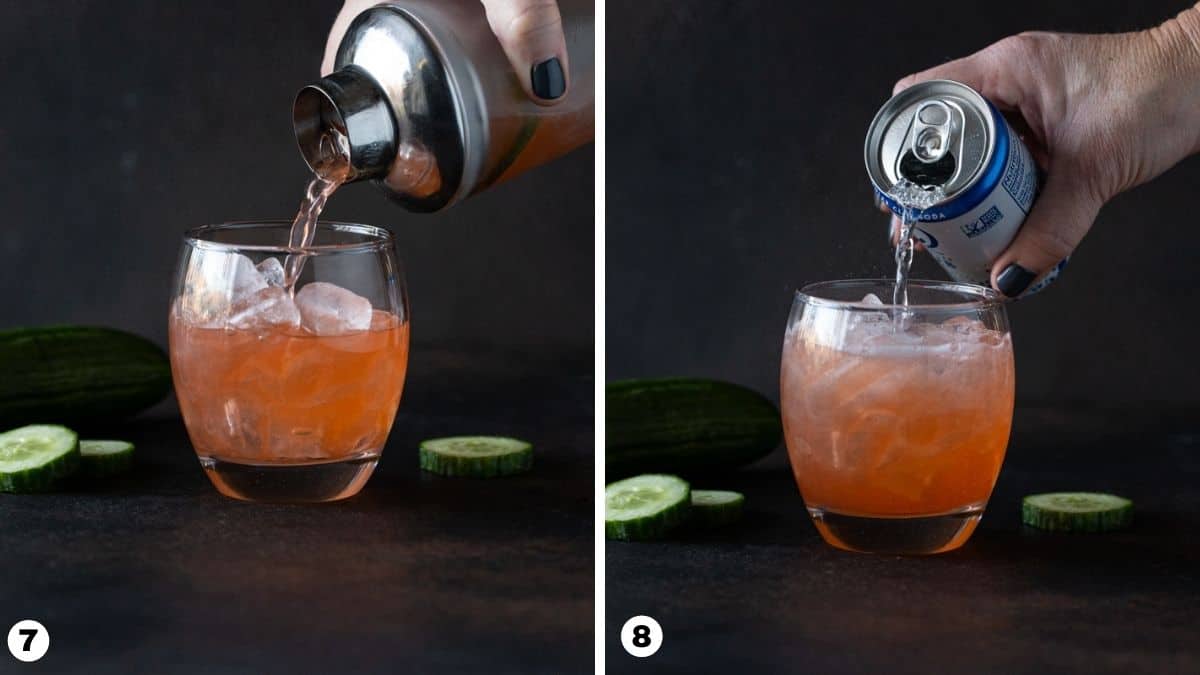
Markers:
860,318
327,309
963,324
272,271
271,306
215,281
244,278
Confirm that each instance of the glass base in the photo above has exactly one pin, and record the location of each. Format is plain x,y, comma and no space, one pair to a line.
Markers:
299,482
897,535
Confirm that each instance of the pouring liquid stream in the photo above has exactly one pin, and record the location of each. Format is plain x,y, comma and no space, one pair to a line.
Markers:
913,199
330,171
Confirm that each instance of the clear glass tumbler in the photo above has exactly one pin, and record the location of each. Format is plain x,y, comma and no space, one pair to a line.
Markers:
288,394
896,418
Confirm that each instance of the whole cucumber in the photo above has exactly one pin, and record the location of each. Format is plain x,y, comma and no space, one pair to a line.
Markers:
685,425
72,374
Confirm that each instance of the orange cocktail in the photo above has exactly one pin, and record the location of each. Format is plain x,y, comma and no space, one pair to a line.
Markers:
896,424
285,395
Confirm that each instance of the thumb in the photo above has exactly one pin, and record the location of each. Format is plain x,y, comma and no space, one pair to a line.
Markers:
531,33
1061,216
995,71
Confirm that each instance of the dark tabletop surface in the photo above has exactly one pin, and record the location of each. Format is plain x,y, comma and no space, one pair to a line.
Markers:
156,572
769,596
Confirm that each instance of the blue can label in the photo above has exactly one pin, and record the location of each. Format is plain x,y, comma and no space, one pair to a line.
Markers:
966,238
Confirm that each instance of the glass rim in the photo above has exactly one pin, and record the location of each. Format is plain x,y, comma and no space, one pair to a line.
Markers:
987,297
378,238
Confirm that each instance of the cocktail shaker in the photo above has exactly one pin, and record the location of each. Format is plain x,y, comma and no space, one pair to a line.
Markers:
433,110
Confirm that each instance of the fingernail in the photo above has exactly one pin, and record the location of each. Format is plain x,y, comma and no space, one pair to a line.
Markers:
1048,278
1014,280
547,78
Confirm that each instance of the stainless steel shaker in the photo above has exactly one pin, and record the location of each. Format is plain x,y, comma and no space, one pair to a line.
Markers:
432,108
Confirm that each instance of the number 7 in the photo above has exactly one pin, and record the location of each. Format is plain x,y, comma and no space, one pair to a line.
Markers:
29,634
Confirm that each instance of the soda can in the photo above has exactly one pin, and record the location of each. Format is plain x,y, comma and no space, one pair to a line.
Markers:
943,133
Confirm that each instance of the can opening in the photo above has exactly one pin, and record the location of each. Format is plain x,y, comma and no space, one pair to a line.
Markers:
938,172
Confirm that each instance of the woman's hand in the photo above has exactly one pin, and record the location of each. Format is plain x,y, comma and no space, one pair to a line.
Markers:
530,31
1101,114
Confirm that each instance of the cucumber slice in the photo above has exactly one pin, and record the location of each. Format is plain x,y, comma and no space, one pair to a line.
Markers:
33,458
713,508
645,507
1076,512
105,458
476,456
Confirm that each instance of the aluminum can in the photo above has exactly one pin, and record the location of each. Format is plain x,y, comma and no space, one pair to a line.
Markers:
944,134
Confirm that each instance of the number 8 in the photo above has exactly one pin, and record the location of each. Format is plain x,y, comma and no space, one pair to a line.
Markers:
641,636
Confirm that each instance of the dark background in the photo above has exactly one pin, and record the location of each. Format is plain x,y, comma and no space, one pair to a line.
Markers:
735,136
129,122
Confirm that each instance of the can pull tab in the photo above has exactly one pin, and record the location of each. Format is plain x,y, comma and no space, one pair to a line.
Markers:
929,160
931,131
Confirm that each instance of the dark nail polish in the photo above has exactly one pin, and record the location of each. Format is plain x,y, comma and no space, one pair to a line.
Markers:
548,80
1014,280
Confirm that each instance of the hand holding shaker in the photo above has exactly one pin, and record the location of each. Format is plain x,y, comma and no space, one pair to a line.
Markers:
431,107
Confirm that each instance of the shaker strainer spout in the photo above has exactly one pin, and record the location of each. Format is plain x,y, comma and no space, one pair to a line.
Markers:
345,105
